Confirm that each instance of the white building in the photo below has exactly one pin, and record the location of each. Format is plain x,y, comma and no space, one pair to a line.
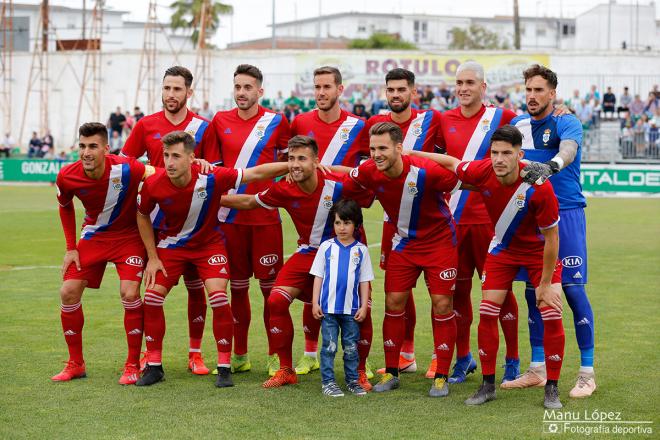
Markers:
66,30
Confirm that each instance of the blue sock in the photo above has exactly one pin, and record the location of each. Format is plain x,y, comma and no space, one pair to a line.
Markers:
583,319
535,323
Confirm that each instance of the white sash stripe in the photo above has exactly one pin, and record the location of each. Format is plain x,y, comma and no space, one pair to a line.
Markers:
321,217
196,204
336,142
405,208
111,197
193,126
525,127
410,139
507,216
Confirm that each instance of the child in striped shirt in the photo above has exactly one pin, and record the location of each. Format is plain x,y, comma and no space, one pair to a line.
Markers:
342,270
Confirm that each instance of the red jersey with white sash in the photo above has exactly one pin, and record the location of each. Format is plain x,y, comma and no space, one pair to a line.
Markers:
519,211
420,133
469,139
342,142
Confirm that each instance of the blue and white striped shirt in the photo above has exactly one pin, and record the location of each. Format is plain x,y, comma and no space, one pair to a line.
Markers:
342,269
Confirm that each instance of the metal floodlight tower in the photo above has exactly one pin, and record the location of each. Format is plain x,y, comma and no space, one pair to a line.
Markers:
203,59
6,59
146,83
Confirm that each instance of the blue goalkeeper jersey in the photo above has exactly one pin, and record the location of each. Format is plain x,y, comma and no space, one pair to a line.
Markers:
541,143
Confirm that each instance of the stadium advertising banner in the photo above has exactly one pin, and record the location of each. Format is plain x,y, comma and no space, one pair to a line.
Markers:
30,170
620,178
362,70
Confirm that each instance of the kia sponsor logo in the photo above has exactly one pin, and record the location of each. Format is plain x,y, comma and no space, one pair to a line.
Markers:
269,260
217,260
572,261
135,261
448,274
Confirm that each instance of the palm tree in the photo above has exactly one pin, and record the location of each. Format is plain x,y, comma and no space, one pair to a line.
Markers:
188,15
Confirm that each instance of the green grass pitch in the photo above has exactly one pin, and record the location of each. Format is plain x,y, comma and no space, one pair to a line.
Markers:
624,246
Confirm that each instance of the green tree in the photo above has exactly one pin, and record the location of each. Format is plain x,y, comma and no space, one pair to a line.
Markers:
381,41
188,15
476,37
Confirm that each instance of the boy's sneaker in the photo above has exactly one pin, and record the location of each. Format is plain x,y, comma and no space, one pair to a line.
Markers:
283,376
388,382
463,366
585,385
439,388
533,377
511,370
72,370
223,380
240,363
130,375
551,400
196,364
485,393
152,374
363,380
307,364
273,364
356,388
332,389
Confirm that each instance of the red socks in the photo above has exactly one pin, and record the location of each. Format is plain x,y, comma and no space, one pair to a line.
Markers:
553,341
266,286
223,325
489,338
408,344
240,307
509,323
154,326
72,324
196,312
366,336
281,325
133,322
394,327
311,327
444,339
463,312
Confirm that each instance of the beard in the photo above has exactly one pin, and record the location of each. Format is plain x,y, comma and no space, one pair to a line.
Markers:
400,106
179,106
539,111
331,103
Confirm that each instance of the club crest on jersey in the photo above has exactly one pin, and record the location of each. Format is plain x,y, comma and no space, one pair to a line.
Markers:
485,125
260,131
356,257
417,129
412,188
116,183
201,192
343,134
520,201
327,202
546,135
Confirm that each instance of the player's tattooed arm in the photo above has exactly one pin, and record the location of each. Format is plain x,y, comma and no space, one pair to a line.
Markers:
546,293
538,172
153,263
239,201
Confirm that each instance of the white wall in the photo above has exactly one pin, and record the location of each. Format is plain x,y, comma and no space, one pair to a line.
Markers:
607,26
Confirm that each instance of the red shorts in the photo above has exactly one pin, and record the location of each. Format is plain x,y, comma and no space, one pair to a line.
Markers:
501,269
210,262
127,255
473,242
253,249
438,265
295,273
389,230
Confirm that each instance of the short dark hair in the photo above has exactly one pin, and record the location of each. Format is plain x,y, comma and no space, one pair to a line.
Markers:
509,134
177,137
400,73
543,72
249,70
390,128
329,70
180,71
301,141
347,210
94,128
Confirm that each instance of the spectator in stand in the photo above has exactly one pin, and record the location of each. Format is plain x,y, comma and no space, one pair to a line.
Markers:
379,103
508,105
278,102
427,96
34,148
291,111
129,124
651,104
574,102
345,104
624,101
358,94
501,95
206,111
360,110
639,134
48,140
627,139
609,104
115,143
652,138
116,122
637,107
596,109
444,92
656,92
518,97
293,99
585,114
593,95
62,157
47,151
137,114
8,144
